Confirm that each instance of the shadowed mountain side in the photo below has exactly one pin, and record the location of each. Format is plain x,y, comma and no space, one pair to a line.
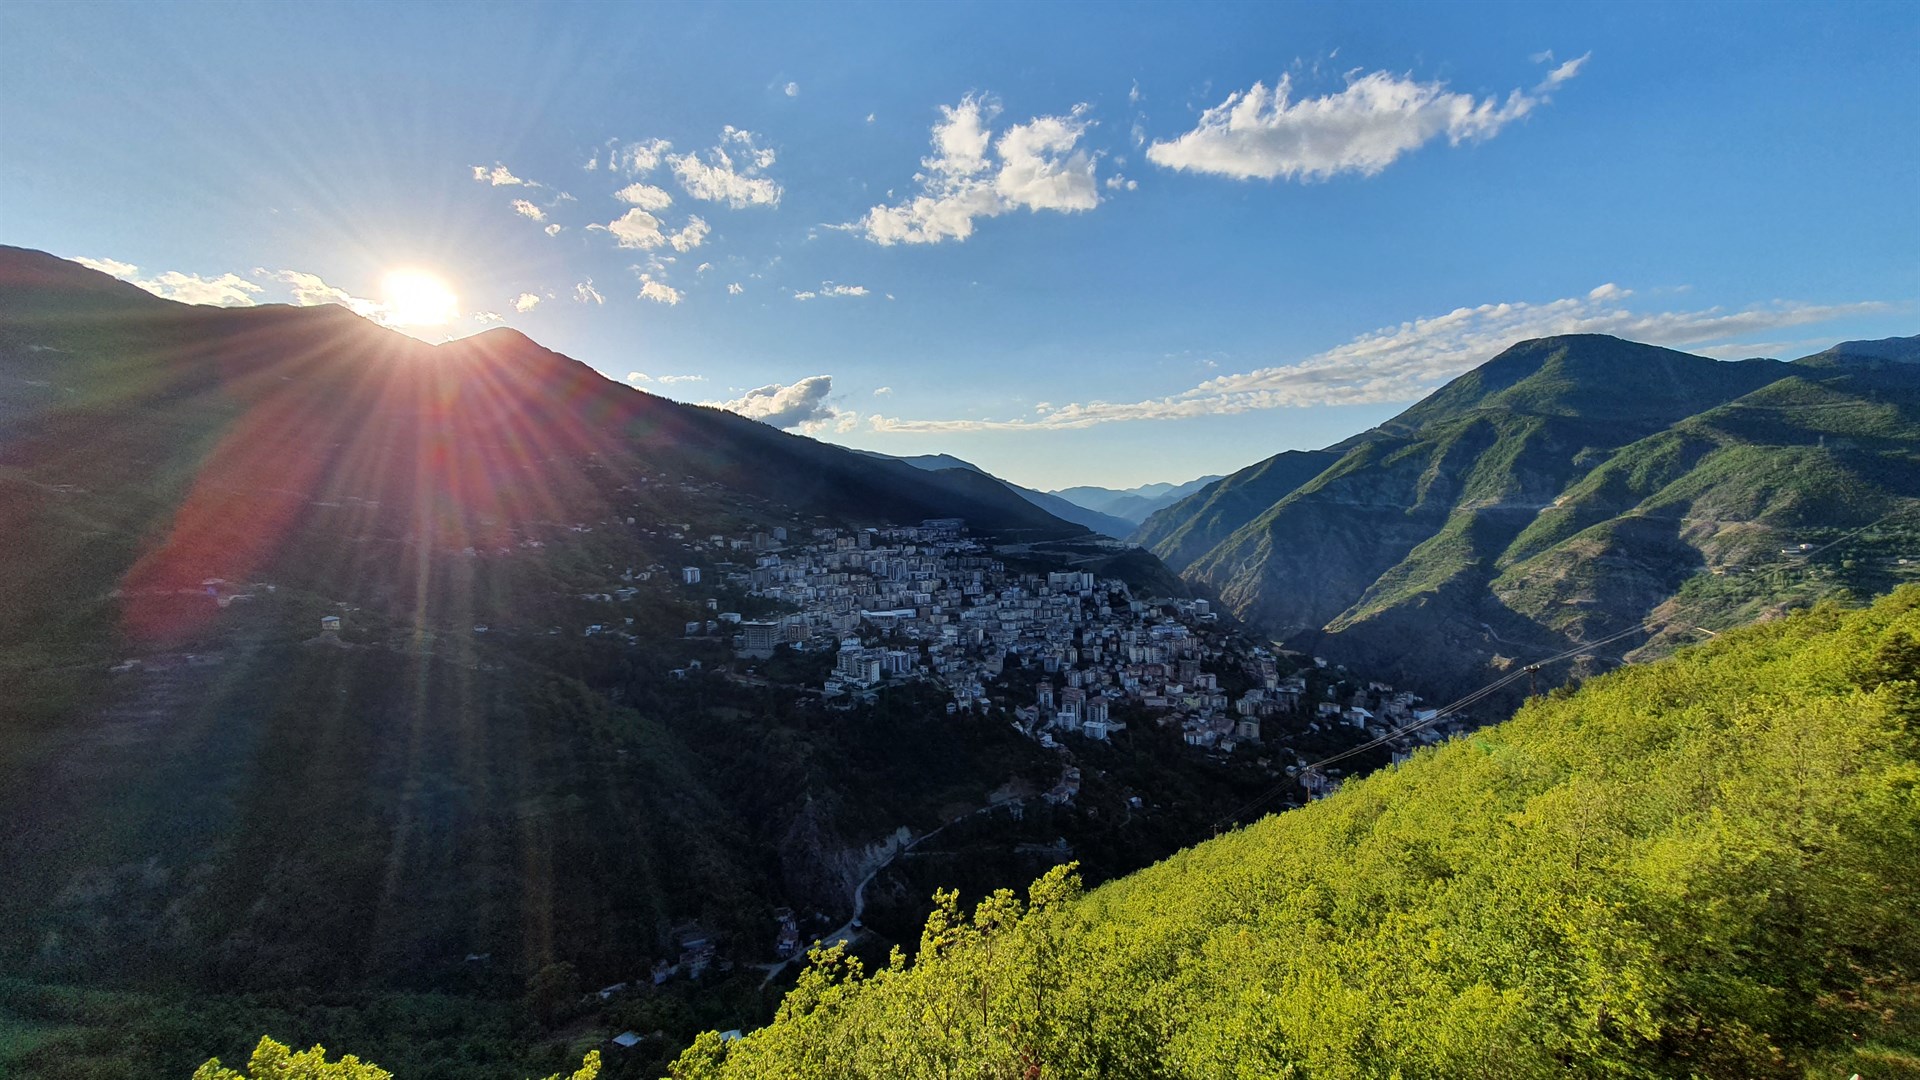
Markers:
210,437
1065,510
492,752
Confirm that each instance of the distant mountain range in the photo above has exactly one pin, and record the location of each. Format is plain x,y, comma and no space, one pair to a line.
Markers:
1566,489
1066,510
1134,504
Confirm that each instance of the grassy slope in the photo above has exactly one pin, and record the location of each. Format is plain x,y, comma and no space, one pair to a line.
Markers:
1697,867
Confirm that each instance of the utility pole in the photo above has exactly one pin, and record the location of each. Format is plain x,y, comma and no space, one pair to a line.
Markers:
1533,679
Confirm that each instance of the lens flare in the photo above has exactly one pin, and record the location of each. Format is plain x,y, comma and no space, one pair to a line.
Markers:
418,298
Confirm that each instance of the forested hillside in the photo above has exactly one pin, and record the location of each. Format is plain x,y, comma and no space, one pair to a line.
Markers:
1565,490
1699,867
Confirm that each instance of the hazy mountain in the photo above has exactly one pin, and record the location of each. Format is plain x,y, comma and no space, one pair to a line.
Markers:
1567,488
1132,504
1064,509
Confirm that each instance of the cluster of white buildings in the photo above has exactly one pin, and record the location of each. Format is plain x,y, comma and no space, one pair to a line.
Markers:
1064,651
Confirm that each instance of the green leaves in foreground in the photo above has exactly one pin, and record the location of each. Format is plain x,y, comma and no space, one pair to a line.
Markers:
276,1061
1701,867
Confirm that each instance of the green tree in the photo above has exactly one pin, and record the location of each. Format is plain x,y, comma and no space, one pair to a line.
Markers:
276,1061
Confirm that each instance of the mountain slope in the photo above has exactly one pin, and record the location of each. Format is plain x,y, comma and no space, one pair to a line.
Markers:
507,748
1520,508
1063,509
1693,868
1188,528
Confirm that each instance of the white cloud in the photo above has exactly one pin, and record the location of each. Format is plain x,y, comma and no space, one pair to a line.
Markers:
793,89
703,267
638,229
1609,291
800,405
682,378
310,291
659,291
734,288
1564,72
1134,95
882,391
227,290
691,236
637,377
499,176
527,210
634,229
553,230
1404,362
635,159
525,302
870,117
113,267
645,196
487,317
585,293
721,178
1264,134
1116,182
828,288
1033,166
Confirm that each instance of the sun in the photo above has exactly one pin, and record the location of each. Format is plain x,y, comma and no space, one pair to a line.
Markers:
418,298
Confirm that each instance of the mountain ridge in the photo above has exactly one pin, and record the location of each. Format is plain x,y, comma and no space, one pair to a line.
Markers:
1427,536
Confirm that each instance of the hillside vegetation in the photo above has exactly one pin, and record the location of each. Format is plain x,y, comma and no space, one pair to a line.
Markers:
1565,490
1699,867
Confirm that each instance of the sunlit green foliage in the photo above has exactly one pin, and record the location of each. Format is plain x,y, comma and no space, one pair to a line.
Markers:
276,1061
1700,867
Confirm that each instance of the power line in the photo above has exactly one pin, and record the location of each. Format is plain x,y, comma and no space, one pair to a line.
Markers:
1439,715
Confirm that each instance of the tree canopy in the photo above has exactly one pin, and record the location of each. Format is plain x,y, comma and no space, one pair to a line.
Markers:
1703,866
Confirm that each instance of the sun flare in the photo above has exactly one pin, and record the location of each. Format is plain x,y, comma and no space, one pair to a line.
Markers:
418,298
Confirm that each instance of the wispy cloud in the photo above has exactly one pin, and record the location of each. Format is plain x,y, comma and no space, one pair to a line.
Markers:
630,159
1402,363
732,172
829,289
1038,165
585,293
527,210
1262,133
309,290
226,290
113,267
734,288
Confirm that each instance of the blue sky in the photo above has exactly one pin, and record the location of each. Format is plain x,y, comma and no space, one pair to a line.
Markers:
1105,244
